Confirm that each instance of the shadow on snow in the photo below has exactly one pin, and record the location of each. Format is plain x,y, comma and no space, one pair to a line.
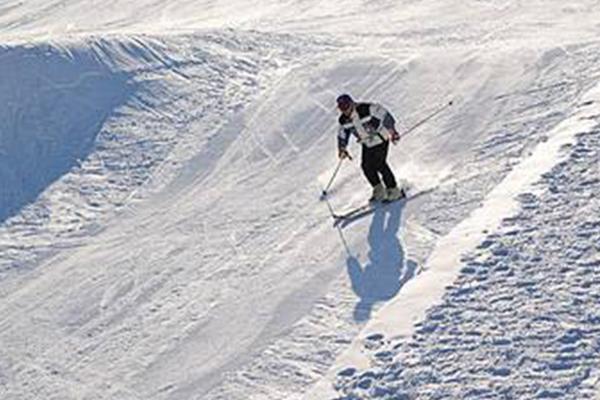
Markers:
54,104
386,269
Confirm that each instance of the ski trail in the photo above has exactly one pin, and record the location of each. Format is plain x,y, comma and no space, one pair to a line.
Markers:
397,318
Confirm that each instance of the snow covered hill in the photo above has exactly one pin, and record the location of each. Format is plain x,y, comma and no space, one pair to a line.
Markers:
162,236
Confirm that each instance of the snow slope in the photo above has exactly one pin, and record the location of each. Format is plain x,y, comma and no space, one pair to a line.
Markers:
521,319
161,233
397,316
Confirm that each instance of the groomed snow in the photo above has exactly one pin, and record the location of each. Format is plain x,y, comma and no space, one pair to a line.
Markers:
162,235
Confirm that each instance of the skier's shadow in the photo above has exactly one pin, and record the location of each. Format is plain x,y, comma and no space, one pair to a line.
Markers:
386,270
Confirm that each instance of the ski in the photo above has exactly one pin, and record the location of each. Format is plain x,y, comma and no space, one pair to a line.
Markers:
354,211
362,211
341,220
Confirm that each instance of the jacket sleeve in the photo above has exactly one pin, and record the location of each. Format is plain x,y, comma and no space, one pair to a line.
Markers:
343,137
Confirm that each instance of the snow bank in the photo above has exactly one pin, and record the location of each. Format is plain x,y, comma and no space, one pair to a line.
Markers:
103,127
55,101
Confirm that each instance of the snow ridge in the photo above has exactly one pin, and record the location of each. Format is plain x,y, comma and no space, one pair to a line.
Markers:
90,125
521,319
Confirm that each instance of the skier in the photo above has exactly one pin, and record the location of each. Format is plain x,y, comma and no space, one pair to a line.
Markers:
374,127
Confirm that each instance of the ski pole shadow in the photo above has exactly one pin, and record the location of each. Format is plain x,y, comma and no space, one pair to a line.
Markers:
386,270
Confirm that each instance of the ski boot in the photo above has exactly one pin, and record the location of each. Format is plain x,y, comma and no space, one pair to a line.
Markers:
379,193
395,193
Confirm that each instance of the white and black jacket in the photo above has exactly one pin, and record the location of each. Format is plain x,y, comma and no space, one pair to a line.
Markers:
370,123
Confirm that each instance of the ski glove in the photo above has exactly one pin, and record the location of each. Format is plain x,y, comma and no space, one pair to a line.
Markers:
343,153
395,136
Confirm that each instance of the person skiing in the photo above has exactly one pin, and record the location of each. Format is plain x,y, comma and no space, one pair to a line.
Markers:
374,127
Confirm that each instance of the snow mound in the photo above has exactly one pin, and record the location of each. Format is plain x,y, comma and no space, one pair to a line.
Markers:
55,101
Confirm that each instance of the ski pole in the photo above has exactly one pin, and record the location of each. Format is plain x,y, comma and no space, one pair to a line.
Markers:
427,118
332,177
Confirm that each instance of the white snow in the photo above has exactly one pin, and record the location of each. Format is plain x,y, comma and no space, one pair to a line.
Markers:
162,236
398,317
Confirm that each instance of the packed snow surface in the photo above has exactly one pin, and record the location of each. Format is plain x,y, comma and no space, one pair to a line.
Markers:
163,233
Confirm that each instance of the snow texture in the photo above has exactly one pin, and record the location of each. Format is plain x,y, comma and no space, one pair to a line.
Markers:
520,320
162,235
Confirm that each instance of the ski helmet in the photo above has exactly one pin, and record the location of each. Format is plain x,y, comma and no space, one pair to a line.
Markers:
344,101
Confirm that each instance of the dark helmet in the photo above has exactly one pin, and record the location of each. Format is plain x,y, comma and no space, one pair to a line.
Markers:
344,102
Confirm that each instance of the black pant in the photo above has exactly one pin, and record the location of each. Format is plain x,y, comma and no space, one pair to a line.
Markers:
374,163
